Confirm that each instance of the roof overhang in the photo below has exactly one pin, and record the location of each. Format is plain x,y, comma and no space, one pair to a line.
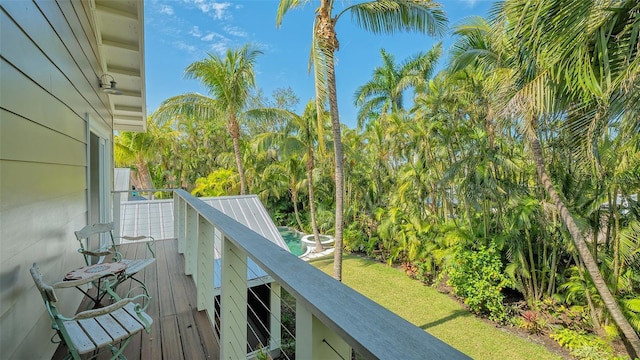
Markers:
120,35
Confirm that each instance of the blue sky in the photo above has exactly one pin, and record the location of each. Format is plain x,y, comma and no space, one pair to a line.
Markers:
179,32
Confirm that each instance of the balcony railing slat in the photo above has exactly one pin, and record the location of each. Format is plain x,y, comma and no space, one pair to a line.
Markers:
275,329
233,303
191,250
205,268
180,222
304,331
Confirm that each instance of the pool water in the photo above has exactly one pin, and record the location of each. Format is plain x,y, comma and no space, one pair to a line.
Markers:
292,238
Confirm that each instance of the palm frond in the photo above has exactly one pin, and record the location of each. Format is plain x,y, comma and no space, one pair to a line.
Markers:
284,6
187,105
319,60
389,16
630,245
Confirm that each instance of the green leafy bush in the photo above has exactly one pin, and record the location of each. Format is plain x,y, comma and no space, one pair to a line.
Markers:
476,275
582,345
355,239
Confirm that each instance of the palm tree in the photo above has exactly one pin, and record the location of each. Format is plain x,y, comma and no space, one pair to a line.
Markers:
558,76
297,141
229,80
380,16
383,94
139,150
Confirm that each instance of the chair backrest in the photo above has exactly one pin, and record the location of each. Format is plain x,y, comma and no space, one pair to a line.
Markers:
90,230
86,233
46,291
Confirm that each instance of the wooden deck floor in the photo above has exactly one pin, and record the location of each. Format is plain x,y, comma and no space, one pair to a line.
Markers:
179,330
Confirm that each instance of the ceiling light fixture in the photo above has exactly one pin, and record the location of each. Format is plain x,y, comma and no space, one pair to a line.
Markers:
108,84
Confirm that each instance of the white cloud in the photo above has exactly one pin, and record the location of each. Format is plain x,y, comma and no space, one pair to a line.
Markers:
219,47
208,37
219,9
216,9
166,9
184,46
470,3
235,31
195,31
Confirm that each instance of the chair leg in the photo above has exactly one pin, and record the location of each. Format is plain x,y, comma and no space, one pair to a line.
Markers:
72,354
117,352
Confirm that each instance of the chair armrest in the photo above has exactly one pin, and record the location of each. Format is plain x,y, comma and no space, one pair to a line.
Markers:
141,301
136,238
98,252
150,243
117,256
101,311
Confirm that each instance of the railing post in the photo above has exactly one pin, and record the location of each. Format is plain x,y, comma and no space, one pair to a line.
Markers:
327,344
116,216
179,219
205,268
314,340
275,324
304,333
233,302
191,242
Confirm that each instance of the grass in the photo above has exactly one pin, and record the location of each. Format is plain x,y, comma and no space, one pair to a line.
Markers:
438,314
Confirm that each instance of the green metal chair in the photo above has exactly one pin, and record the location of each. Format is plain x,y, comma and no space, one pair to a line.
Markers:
110,327
111,250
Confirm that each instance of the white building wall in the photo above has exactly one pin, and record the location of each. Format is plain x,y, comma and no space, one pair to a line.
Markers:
49,70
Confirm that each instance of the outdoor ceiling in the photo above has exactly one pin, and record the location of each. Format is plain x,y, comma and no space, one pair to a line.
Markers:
120,32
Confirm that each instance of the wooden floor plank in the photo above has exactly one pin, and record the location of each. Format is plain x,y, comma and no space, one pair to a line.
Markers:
134,251
165,295
171,346
210,343
152,347
185,305
179,330
180,283
170,334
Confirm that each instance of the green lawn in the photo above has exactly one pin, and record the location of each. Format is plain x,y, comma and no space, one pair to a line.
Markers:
441,316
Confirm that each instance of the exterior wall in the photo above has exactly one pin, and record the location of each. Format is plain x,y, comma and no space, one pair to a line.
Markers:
49,70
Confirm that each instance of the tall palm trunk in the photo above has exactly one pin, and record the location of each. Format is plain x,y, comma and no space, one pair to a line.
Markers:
532,267
234,132
337,148
312,202
144,175
325,32
632,342
294,199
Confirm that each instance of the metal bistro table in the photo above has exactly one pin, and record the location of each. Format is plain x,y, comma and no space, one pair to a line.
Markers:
96,274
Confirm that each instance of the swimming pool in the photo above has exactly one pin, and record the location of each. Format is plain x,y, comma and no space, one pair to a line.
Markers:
292,238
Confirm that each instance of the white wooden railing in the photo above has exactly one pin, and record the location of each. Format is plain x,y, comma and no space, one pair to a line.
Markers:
331,318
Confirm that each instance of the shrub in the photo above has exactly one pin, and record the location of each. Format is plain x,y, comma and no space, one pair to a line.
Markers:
533,323
354,238
477,277
583,345
419,270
